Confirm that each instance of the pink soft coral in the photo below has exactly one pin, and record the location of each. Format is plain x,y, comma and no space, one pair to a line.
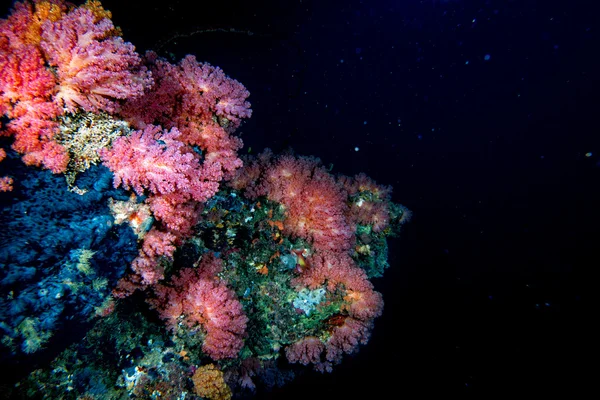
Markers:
160,101
203,300
370,201
316,210
203,103
92,69
209,90
155,161
346,338
305,351
337,270
333,268
315,203
95,68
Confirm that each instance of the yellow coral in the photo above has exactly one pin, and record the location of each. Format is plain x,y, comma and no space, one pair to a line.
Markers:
97,9
100,13
209,383
33,339
83,135
83,261
44,10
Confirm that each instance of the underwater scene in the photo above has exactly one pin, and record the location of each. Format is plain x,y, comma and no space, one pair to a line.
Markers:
303,199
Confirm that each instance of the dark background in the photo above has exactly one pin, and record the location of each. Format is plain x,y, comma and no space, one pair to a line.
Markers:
490,286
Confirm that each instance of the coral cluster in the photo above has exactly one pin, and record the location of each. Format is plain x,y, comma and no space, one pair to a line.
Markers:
238,269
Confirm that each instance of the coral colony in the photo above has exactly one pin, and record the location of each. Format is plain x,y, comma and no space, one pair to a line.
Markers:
139,252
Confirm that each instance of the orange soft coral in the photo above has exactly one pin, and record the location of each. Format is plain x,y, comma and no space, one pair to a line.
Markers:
209,383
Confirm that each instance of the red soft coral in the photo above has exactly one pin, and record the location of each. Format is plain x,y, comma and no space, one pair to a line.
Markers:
26,88
6,184
5,181
23,26
23,75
